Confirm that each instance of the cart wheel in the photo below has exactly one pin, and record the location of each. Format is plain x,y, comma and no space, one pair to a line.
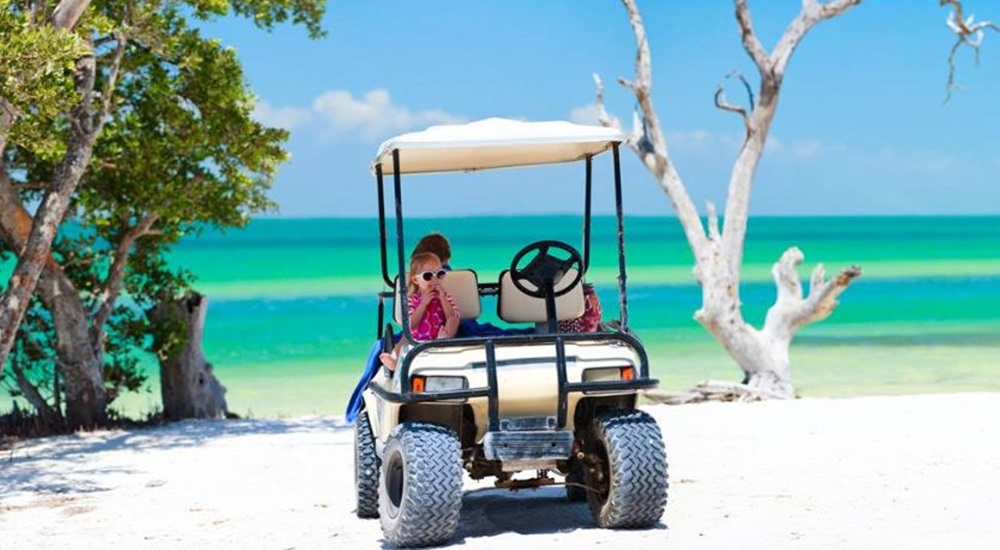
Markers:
628,477
420,493
366,468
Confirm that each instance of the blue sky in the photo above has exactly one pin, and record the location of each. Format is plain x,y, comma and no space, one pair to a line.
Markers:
861,128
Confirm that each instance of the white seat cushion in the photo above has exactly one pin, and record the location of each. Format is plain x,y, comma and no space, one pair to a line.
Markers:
515,306
463,285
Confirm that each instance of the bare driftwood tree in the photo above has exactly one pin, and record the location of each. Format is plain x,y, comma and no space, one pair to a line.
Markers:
188,386
718,252
762,353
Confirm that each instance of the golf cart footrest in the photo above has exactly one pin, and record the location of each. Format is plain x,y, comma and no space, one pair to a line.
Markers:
533,445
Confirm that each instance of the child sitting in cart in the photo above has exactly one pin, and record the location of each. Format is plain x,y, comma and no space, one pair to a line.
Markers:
438,244
590,321
432,311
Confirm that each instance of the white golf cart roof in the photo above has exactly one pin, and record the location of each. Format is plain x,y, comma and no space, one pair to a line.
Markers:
493,143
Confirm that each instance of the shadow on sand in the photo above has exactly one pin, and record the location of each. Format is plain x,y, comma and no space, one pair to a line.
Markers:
490,512
40,466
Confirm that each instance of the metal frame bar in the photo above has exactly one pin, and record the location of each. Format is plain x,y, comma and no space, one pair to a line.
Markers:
622,292
586,215
381,225
562,381
493,392
404,317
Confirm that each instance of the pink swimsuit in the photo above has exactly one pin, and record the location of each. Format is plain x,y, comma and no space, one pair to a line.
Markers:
434,317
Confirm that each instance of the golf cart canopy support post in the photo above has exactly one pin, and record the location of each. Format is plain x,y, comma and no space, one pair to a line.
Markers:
622,294
404,316
586,213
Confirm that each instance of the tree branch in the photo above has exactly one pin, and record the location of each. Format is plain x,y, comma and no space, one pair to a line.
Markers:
712,390
823,297
812,13
649,143
829,10
772,72
969,33
7,116
116,274
32,185
602,114
31,393
109,87
722,103
8,110
785,276
751,44
713,222
68,12
790,310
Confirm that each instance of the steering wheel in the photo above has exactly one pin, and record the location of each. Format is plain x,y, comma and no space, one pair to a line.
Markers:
545,269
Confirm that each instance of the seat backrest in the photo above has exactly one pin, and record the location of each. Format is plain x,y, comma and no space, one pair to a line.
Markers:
463,285
515,306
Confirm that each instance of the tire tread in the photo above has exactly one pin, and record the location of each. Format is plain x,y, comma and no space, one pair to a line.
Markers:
638,463
366,468
432,494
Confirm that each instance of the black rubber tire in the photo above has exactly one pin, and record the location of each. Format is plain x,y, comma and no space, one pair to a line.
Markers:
575,493
420,494
633,460
366,468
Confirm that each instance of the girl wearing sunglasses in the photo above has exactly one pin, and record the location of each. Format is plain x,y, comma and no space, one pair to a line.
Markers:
433,313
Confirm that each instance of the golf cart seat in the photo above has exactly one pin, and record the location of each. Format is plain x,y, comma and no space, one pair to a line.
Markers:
462,284
514,306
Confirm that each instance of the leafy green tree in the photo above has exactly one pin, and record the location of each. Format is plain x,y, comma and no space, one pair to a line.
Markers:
36,74
168,147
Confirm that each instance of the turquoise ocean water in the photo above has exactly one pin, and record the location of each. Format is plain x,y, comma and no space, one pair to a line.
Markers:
292,302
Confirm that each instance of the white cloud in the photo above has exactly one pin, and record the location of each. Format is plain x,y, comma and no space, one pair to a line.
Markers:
281,117
927,162
773,145
373,115
707,142
585,114
813,148
803,149
701,141
338,113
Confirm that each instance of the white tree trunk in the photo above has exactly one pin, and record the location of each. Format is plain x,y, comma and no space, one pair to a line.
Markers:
188,386
763,354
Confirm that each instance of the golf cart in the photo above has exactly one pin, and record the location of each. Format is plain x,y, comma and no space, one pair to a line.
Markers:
546,402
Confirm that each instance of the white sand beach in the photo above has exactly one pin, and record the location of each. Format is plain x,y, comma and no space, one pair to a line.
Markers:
877,472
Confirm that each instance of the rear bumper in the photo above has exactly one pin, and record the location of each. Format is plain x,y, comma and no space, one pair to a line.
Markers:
519,450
